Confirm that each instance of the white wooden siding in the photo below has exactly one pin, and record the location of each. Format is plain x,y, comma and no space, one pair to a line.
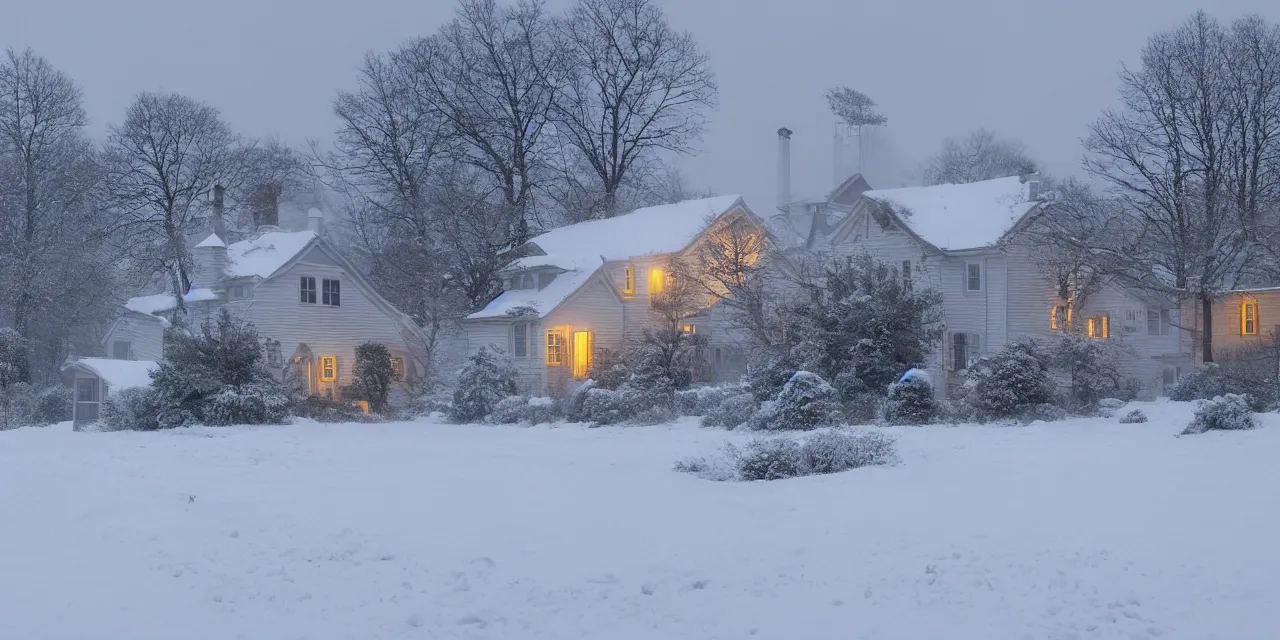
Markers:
144,335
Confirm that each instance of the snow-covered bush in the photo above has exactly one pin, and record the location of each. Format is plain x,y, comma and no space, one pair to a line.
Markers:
1043,412
1230,412
17,406
628,404
806,402
608,369
1248,372
911,400
373,375
487,378
253,403
1203,383
1089,368
767,374
732,412
775,458
1009,383
16,397
217,376
1133,417
699,401
331,411
132,409
53,405
524,410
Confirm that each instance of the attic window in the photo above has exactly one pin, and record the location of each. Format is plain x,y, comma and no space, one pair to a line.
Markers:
657,281
629,281
308,290
331,292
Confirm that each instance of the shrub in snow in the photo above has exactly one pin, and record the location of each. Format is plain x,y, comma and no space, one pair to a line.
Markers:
1133,417
782,457
608,370
17,406
629,404
1044,412
1230,412
16,397
767,374
1009,383
1249,372
487,378
805,402
1088,368
571,407
699,401
523,409
253,403
329,410
372,375
133,409
911,400
208,370
1203,383
732,412
53,405
1111,403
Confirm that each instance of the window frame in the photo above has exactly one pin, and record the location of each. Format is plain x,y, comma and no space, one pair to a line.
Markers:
968,277
397,368
331,292
629,281
555,348
1099,327
327,362
1247,304
582,359
95,386
116,348
520,345
308,286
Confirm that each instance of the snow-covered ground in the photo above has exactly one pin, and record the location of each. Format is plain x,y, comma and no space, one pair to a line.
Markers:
1082,529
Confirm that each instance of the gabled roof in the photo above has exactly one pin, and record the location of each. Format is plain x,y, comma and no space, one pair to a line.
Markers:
536,302
160,302
953,217
118,374
656,230
266,253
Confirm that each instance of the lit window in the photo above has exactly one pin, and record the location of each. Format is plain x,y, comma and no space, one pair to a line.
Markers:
973,277
397,368
308,290
582,348
1099,327
555,347
657,281
1054,312
331,292
689,329
629,281
520,340
1249,317
328,368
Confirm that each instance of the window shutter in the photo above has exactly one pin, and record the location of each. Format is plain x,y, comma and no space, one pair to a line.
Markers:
948,363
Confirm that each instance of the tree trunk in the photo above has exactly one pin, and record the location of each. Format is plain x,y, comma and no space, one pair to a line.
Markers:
1206,336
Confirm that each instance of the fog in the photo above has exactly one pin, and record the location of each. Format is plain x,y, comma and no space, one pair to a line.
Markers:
1035,71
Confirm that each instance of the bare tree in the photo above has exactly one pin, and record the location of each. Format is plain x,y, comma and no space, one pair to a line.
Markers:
981,155
1167,156
274,172
492,74
1252,56
165,157
49,223
636,87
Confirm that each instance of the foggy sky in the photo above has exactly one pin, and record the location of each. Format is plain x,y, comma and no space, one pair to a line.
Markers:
1038,71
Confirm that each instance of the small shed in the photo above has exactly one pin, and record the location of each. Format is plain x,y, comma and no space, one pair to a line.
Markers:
94,379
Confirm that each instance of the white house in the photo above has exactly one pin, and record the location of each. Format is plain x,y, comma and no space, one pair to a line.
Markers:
971,243
309,305
586,287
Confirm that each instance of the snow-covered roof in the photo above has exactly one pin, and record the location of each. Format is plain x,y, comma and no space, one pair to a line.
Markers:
653,230
264,254
959,216
159,302
119,374
539,302
212,241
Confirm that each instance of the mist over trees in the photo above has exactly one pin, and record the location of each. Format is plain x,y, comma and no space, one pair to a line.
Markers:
980,155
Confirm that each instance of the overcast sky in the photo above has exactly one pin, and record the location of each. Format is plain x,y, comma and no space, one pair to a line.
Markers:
1038,71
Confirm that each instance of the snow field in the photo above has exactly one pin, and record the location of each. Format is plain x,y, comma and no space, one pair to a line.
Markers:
1080,529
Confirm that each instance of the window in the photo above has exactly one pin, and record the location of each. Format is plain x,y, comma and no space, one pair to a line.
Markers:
629,281
1099,327
906,274
328,368
1131,316
1166,322
973,277
520,340
1153,323
555,347
657,281
526,282
331,292
582,348
397,368
965,350
689,329
719,355
120,349
86,389
308,290
1249,317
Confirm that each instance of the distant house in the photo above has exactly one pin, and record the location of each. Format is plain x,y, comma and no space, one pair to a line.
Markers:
971,243
586,287
1243,320
309,305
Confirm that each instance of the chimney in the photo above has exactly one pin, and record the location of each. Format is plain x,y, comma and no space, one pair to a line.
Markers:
219,222
784,167
1032,180
315,221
